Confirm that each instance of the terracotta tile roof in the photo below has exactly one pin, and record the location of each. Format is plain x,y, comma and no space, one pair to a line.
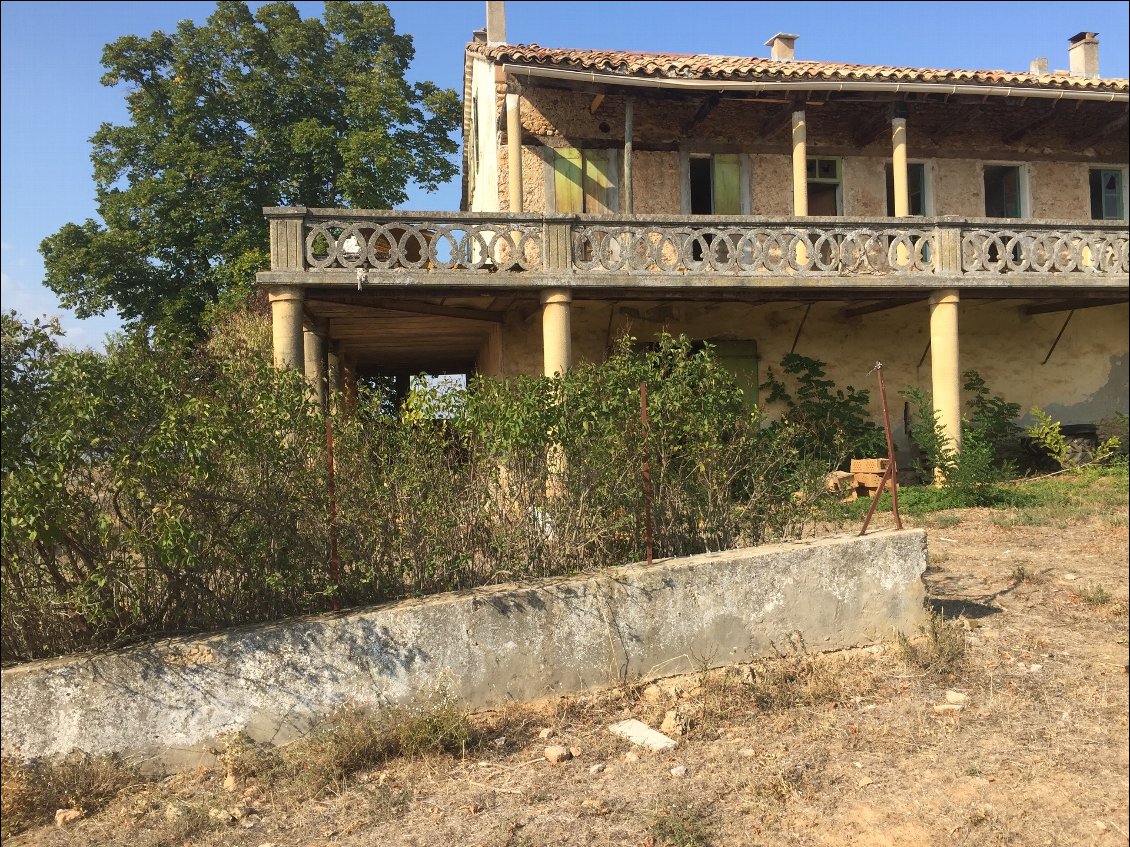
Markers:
739,68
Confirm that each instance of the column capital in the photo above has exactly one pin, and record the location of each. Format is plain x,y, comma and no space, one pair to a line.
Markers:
556,295
945,297
283,293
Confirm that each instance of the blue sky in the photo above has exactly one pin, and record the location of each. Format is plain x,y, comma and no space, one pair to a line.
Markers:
52,101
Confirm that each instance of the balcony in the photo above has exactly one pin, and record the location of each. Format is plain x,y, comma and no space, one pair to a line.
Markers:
372,249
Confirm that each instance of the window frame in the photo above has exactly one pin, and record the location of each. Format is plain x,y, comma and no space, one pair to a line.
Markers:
1023,189
745,189
1121,170
837,181
927,186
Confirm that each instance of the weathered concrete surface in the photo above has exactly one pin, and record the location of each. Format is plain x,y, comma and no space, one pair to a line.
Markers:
165,702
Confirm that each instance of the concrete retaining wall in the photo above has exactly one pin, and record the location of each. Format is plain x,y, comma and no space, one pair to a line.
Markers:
166,701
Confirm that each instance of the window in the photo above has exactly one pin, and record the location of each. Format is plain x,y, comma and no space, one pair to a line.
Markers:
825,186
1107,195
916,183
1003,191
584,181
715,184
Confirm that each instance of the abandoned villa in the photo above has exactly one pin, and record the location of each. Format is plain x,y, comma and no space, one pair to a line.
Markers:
934,220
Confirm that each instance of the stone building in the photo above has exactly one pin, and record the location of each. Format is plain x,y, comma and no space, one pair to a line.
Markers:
934,220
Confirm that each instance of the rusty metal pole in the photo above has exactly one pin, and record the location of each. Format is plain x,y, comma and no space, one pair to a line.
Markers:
335,564
891,472
649,529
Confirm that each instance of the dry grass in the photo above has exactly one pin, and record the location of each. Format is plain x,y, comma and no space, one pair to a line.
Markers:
34,791
799,749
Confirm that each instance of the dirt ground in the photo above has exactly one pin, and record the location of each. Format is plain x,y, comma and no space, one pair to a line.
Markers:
1022,742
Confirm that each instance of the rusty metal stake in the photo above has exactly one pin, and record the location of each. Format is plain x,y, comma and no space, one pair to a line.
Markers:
335,565
891,472
649,529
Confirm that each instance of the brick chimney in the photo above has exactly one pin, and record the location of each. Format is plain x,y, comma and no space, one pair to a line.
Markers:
1083,54
1039,66
781,46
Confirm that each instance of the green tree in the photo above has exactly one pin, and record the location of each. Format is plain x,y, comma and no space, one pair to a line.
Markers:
246,111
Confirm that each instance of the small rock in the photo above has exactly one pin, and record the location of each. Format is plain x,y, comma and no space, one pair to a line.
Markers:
64,817
556,753
863,783
680,770
747,753
956,698
500,742
576,751
173,812
631,757
640,733
1034,668
1070,577
1100,825
597,768
220,815
250,821
652,694
671,724
229,783
548,732
947,709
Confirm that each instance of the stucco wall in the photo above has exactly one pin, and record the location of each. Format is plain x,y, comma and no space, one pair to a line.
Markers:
485,648
484,194
1085,380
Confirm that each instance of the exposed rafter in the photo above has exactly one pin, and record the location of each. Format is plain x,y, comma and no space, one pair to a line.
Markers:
1066,306
704,110
1030,126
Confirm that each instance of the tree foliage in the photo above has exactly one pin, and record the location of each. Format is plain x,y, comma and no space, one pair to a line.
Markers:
245,111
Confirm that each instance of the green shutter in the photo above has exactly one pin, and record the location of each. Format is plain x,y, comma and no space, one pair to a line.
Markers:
598,183
727,184
567,181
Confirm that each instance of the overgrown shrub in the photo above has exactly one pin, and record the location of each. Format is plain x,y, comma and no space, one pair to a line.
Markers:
989,444
174,488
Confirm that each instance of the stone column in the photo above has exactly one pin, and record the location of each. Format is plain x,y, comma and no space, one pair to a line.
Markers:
800,165
945,368
335,373
557,344
514,150
800,178
898,167
286,326
315,363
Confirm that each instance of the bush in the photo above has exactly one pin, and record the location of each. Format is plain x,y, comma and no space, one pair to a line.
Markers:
174,488
989,445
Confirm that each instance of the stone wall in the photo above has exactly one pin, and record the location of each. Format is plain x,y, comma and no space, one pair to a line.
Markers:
166,702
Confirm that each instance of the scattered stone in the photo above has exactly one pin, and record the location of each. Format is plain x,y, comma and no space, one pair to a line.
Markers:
250,821
652,694
173,812
1034,668
680,770
230,783
65,817
947,709
1070,577
631,757
576,751
220,815
671,724
500,742
597,768
863,783
548,732
556,753
956,698
747,752
640,733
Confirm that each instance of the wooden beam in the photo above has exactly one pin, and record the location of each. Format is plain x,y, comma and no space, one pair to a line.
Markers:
1030,126
704,110
868,132
597,100
778,121
881,306
414,308
1066,306
1118,125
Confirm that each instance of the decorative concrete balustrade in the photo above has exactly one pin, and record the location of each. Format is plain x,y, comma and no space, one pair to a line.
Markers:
346,246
